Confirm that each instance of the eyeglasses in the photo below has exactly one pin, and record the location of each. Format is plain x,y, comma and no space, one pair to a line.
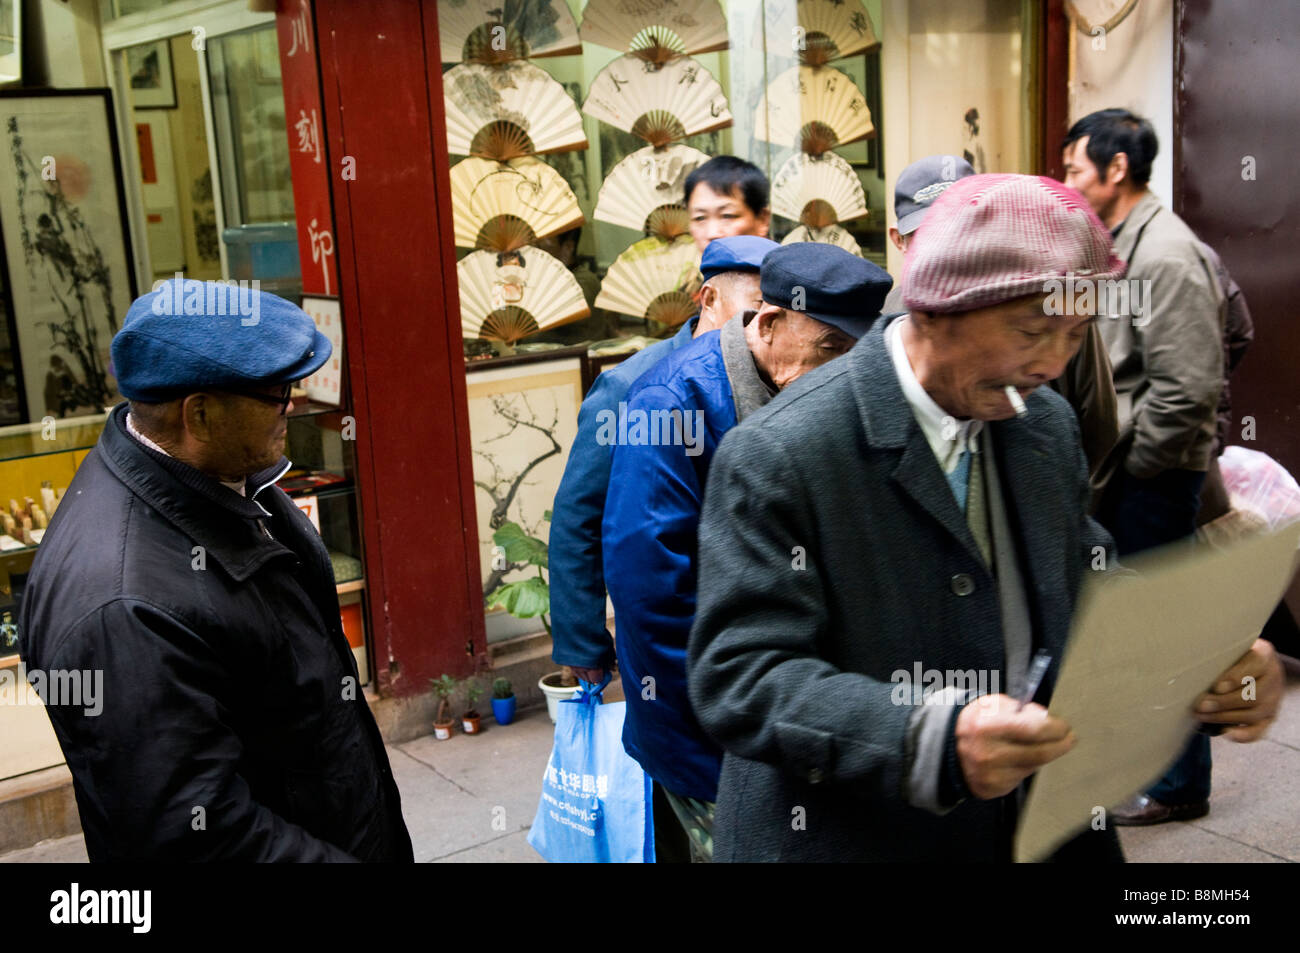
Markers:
282,401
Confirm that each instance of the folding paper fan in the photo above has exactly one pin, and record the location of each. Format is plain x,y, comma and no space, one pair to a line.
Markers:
833,29
493,31
812,109
830,235
505,297
501,206
649,280
818,190
660,104
506,111
655,30
646,191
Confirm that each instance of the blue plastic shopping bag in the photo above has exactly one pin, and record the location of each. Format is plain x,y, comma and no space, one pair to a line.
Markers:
595,804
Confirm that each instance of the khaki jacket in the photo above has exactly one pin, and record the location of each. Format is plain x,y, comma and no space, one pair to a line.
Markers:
1167,361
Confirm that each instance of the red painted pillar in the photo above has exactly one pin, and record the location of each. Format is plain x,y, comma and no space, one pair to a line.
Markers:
386,169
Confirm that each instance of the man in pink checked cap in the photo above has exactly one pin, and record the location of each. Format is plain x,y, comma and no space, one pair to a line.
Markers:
888,545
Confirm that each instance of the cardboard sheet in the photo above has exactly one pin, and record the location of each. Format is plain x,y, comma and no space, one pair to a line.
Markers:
1142,648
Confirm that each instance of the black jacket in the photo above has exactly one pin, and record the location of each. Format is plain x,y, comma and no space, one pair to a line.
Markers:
232,724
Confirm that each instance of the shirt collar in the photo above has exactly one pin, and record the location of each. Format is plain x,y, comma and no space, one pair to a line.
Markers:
238,486
946,434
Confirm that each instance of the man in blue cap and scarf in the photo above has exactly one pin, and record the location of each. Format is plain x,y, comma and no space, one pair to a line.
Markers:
817,300
231,725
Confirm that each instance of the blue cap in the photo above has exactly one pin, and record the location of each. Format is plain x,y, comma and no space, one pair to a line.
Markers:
736,253
827,283
188,335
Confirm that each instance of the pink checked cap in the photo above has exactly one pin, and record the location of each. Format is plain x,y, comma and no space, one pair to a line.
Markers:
994,238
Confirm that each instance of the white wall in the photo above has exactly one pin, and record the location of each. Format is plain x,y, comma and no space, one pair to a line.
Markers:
1134,71
69,47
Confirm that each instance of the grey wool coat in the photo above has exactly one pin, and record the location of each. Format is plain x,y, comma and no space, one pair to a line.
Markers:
832,555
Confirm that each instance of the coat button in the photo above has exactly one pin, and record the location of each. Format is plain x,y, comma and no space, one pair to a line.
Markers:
962,584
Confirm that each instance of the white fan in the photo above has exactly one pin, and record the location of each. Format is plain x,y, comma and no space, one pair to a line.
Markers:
492,31
655,28
501,206
650,278
658,103
832,29
818,190
830,235
646,191
812,109
509,110
505,297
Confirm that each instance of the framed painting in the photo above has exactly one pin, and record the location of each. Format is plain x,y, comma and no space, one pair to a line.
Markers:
523,417
11,41
864,70
149,66
64,247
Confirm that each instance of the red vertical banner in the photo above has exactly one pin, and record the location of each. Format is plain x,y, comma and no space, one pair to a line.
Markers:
308,160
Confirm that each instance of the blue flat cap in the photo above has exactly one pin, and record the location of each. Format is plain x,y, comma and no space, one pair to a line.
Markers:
827,283
737,253
188,335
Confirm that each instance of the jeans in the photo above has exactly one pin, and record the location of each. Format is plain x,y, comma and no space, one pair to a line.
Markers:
1142,514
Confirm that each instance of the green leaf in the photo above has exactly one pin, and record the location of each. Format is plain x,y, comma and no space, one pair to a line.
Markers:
526,599
519,547
547,516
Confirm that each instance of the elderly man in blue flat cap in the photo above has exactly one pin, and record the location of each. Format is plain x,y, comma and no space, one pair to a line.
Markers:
730,269
817,300
230,726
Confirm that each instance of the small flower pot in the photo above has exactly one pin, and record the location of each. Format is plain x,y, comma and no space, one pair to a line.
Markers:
503,709
442,730
471,723
554,691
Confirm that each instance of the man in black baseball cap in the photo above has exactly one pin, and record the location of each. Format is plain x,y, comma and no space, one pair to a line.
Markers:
817,301
230,724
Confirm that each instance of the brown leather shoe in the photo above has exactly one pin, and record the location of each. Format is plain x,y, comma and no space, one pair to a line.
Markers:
1141,811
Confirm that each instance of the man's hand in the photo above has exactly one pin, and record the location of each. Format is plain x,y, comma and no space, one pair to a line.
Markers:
999,746
1248,695
593,675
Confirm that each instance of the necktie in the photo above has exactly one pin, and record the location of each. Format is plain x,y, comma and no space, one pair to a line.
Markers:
959,478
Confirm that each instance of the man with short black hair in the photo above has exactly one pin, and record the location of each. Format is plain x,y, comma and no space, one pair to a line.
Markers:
727,196
1168,370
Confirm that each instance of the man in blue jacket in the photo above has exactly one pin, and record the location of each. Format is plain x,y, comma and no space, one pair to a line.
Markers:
577,574
817,301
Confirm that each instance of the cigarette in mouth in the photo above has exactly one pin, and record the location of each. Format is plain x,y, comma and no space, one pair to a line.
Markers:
1017,404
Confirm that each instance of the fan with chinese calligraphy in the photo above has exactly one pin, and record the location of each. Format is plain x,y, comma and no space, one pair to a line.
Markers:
660,104
493,31
655,30
812,109
650,278
818,190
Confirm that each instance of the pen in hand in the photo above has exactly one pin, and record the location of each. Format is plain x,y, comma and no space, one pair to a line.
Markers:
1037,669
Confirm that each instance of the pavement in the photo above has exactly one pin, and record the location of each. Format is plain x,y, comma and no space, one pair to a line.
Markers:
471,799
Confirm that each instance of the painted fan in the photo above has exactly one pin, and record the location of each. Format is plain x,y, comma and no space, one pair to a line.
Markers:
510,110
505,297
813,110
501,206
661,104
494,31
646,191
818,190
830,235
649,279
655,30
833,29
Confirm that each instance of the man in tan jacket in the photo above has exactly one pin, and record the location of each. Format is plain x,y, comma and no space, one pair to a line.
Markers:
1164,336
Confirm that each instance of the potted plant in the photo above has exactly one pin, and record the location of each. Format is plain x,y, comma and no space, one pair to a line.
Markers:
471,721
530,598
444,687
503,701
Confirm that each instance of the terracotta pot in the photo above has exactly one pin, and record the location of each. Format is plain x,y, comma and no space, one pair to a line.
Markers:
471,723
442,730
